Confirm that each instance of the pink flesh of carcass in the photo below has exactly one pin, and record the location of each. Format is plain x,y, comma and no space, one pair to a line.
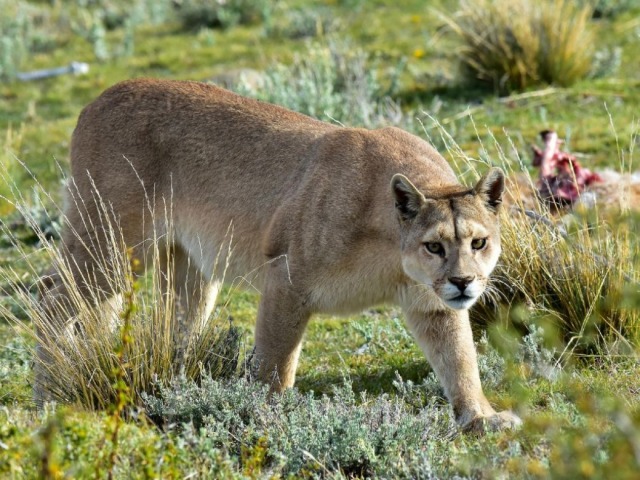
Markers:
562,178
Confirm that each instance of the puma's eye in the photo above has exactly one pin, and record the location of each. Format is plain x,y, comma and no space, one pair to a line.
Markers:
434,247
478,243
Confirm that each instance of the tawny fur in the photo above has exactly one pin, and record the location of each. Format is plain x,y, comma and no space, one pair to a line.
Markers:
316,226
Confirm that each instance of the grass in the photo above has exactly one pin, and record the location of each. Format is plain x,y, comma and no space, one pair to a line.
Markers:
138,341
561,347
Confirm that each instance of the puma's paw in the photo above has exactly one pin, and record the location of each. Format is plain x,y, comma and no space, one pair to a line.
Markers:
491,423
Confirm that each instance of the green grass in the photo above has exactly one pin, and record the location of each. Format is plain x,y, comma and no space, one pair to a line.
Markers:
580,423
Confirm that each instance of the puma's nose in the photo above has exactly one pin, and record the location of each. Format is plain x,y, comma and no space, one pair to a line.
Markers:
461,282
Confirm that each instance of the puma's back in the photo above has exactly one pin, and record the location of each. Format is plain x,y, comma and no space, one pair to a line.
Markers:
193,139
282,181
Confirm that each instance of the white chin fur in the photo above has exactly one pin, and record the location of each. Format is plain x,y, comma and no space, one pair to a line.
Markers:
461,304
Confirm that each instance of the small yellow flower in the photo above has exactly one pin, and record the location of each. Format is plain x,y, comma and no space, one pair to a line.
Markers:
415,19
418,53
586,468
535,468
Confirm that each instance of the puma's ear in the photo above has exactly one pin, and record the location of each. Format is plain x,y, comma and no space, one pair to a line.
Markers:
408,198
491,187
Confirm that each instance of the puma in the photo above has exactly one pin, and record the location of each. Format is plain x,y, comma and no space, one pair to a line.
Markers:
329,219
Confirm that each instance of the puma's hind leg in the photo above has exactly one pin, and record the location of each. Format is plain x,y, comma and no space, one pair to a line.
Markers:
194,296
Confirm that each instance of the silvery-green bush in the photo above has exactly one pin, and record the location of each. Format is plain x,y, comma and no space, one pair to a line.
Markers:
402,434
331,82
305,22
346,433
20,35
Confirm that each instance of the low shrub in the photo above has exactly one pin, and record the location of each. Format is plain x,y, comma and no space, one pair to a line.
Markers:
23,30
332,82
27,28
15,365
304,23
197,14
93,21
354,435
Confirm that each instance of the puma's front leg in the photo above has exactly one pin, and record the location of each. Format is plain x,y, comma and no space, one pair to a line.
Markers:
447,341
282,319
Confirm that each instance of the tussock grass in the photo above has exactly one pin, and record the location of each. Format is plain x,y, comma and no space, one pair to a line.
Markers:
94,347
517,44
576,278
578,272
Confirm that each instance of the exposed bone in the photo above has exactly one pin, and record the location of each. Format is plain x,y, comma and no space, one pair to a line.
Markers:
562,178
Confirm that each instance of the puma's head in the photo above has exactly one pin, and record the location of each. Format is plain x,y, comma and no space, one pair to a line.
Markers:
450,237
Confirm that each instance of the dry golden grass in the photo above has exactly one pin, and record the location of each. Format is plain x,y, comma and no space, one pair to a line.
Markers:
575,277
140,341
516,44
